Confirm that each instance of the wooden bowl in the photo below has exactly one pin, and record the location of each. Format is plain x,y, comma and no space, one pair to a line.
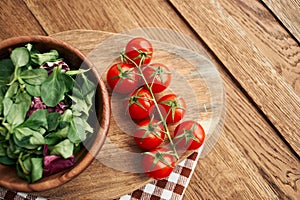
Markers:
75,59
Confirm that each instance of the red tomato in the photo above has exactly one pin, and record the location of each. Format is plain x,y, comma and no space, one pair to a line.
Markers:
149,134
158,163
139,104
139,50
158,76
122,78
172,108
189,135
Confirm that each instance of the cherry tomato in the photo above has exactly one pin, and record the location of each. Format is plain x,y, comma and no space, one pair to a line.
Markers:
149,134
139,50
158,163
122,78
172,108
189,135
158,76
139,104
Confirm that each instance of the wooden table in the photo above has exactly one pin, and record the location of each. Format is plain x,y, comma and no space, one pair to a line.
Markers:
255,47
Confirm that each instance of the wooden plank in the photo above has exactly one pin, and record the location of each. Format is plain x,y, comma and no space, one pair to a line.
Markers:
112,16
233,148
288,13
16,22
245,150
257,51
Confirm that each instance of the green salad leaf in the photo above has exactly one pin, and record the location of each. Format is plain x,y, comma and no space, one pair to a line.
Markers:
33,90
7,69
37,120
34,76
28,138
17,111
37,169
7,161
41,58
20,57
64,149
53,89
53,120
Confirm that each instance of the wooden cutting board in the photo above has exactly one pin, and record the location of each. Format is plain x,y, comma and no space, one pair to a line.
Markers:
116,171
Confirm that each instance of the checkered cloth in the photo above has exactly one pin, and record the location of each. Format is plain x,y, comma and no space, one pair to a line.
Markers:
172,187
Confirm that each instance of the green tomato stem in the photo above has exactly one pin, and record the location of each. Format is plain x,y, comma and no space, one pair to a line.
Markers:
155,103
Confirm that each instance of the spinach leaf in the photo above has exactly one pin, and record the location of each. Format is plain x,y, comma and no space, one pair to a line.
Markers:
77,132
82,96
89,99
41,58
37,169
67,115
33,90
12,90
20,57
6,71
2,94
36,120
2,149
28,138
84,85
12,150
62,131
53,89
17,113
13,94
53,120
88,127
87,86
54,137
7,103
21,137
79,106
7,161
18,110
3,132
76,92
64,149
68,81
21,174
34,76
37,139
26,164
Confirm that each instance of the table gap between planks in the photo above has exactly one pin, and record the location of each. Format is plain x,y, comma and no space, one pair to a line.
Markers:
250,160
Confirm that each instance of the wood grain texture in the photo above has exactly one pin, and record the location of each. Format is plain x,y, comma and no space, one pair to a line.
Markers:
112,16
248,162
17,22
257,51
288,13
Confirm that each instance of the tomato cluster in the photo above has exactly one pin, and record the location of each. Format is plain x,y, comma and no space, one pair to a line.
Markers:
139,80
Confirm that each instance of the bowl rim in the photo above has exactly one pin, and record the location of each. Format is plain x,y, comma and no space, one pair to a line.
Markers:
67,175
